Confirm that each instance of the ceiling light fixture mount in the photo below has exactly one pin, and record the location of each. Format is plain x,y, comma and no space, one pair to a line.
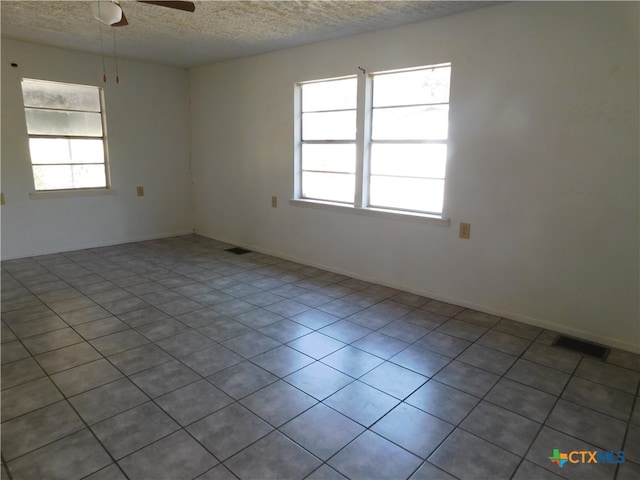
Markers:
107,12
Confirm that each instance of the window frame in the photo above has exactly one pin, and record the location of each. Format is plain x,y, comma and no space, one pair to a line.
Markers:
364,142
85,190
301,140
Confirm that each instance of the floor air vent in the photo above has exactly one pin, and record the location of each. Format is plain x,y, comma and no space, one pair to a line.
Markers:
238,250
580,346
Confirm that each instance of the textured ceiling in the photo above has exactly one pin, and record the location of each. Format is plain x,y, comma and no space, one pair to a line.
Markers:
218,30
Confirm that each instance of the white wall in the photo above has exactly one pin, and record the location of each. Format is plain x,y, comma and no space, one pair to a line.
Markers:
543,164
148,136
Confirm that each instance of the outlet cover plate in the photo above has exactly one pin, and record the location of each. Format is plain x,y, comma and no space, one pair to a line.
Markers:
465,230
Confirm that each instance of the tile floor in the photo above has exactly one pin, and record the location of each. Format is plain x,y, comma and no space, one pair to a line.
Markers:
173,359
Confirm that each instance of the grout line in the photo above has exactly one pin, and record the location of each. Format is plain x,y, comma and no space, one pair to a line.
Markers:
544,423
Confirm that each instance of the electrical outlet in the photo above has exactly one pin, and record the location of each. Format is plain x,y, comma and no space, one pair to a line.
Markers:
465,230
274,202
140,191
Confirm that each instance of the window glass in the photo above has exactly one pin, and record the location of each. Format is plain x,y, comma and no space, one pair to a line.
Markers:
62,177
329,158
64,150
329,95
65,127
423,160
402,158
60,96
411,123
405,193
327,149
426,86
329,125
332,187
409,132
56,122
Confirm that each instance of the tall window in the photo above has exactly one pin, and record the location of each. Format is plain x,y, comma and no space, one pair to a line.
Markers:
398,162
65,125
329,139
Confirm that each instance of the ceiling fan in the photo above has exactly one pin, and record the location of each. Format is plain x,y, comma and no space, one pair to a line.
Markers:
110,12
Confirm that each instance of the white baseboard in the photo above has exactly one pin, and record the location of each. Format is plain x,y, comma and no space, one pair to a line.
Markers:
537,322
109,243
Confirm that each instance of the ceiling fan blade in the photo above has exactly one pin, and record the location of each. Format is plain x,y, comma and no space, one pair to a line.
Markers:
122,22
178,5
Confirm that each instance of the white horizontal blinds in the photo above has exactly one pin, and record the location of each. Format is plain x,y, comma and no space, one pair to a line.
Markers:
328,140
409,139
66,136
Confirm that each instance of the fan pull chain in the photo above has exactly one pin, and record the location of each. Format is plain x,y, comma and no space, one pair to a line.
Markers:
104,69
115,55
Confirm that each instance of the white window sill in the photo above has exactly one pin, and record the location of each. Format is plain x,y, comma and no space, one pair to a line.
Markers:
76,192
372,212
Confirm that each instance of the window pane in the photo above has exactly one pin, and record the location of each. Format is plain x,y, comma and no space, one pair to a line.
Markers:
329,126
52,122
38,93
52,177
418,194
329,158
412,88
410,160
333,187
60,177
63,150
49,150
330,95
88,150
411,123
88,176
